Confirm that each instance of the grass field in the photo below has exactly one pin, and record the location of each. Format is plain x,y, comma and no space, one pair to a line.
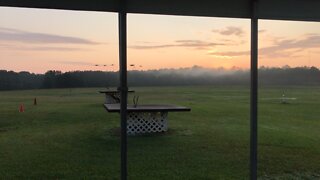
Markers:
69,135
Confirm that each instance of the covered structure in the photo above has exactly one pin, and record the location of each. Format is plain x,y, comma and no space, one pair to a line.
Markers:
299,10
305,10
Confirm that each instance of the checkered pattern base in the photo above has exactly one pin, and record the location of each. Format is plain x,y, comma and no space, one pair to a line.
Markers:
146,122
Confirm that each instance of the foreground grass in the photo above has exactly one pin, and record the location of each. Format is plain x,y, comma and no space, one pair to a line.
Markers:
68,135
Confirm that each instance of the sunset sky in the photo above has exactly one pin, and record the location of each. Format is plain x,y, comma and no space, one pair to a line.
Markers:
39,40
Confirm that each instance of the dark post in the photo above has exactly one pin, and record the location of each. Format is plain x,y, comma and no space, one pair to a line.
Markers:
35,101
254,93
123,84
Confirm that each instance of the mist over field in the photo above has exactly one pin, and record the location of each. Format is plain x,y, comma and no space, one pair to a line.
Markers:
195,75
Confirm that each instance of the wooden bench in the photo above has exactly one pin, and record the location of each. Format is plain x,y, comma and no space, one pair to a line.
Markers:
112,96
142,119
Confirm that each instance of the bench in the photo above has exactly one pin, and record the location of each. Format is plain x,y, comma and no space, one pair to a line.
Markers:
113,96
143,119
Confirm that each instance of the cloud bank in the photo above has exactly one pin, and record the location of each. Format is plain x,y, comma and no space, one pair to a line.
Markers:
197,44
14,35
230,30
281,48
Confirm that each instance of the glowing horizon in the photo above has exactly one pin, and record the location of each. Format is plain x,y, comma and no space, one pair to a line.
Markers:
37,40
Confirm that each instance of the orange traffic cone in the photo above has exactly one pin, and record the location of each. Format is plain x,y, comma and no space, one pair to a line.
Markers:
21,108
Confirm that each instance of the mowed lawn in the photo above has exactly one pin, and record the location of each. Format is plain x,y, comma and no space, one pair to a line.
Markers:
69,135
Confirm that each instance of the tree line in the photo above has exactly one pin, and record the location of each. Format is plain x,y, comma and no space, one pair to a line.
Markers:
10,80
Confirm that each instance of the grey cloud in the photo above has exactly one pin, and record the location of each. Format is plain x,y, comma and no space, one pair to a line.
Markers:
180,43
40,48
231,30
14,35
282,48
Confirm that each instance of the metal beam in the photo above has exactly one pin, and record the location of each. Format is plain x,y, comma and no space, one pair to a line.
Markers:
123,85
302,10
254,92
81,5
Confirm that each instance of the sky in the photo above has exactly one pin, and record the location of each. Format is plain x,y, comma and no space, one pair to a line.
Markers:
38,40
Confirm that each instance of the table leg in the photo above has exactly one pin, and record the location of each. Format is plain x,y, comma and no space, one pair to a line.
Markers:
111,100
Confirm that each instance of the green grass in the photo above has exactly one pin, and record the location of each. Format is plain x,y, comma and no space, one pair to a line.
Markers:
69,135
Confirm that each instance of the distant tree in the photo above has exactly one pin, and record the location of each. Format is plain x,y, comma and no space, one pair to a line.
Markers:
50,79
195,75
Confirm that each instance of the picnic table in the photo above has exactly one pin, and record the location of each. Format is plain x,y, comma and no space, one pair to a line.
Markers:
113,96
148,118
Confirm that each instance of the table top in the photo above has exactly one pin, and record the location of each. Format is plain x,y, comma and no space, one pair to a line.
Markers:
113,91
146,108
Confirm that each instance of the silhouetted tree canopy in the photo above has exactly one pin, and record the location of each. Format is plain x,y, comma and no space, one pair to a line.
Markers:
196,75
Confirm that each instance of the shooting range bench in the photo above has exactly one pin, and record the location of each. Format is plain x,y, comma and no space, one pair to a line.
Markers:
113,96
143,119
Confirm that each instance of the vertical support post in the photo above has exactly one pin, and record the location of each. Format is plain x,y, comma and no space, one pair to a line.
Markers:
122,17
254,93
